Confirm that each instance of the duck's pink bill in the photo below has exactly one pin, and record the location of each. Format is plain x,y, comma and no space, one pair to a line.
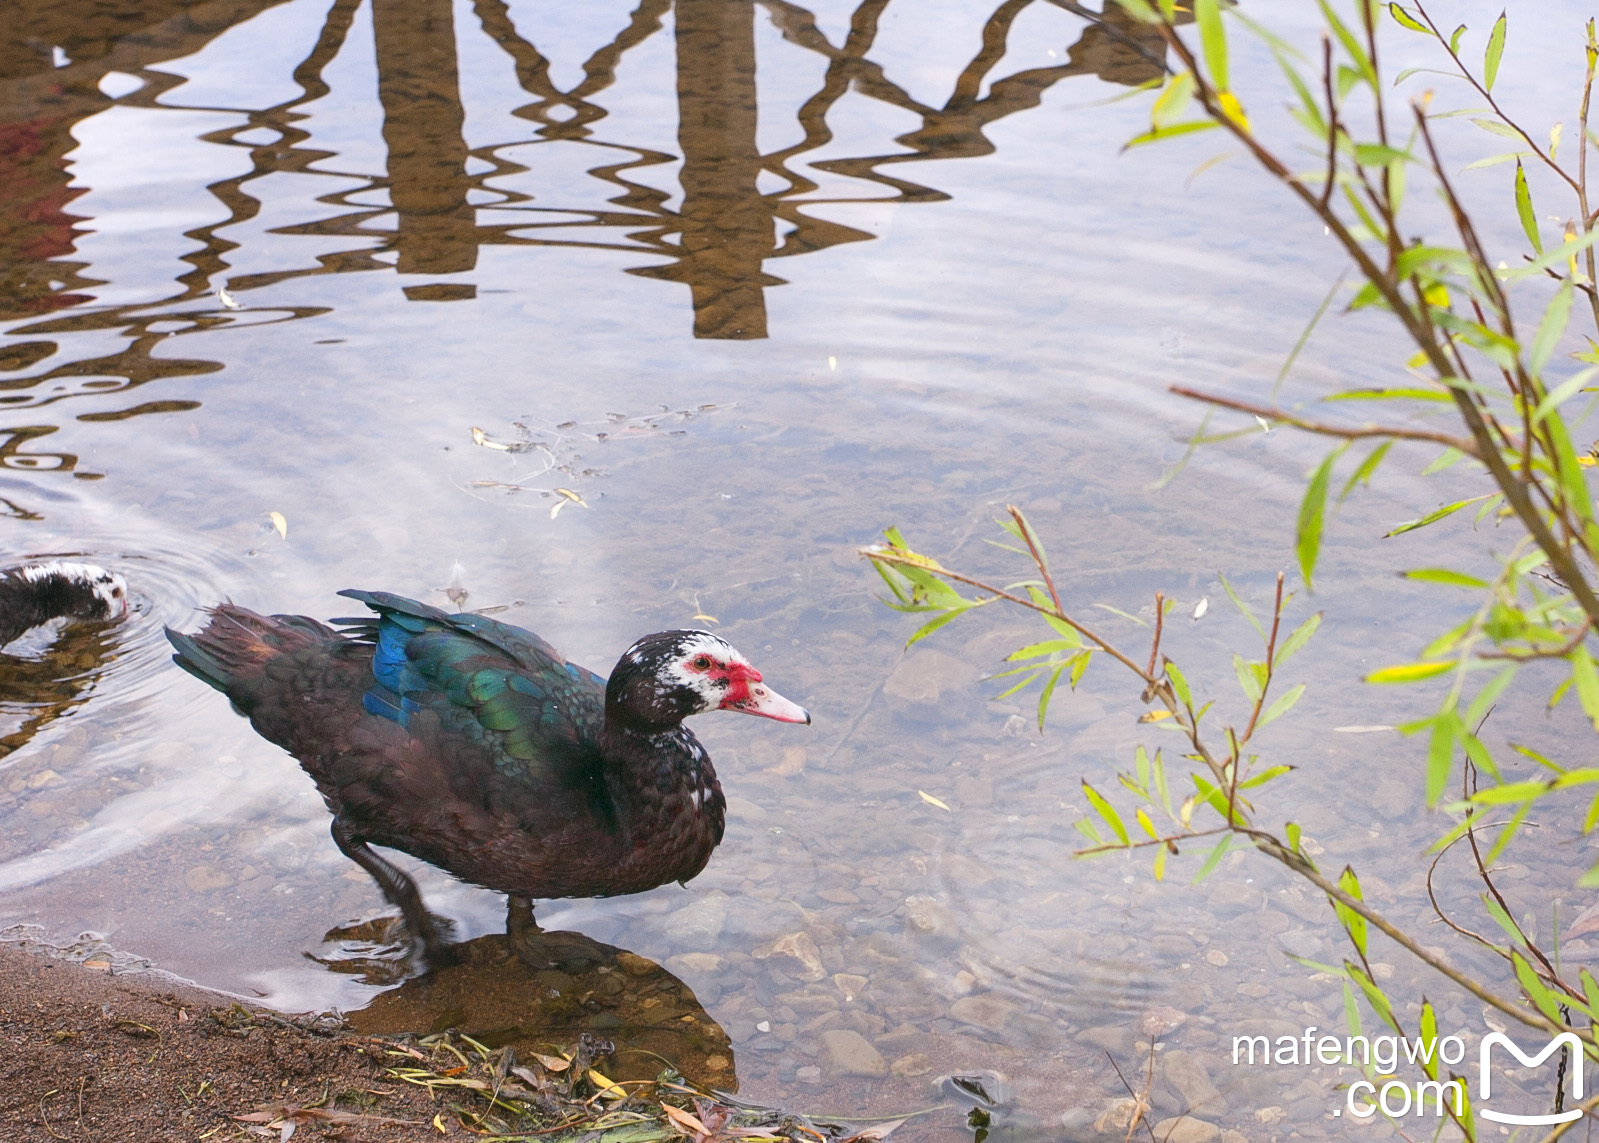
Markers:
767,703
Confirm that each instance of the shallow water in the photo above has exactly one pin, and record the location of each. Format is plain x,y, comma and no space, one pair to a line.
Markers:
753,281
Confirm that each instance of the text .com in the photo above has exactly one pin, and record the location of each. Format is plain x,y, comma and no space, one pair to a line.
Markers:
1380,1057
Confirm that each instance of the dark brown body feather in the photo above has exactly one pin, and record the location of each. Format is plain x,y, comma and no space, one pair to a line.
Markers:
603,809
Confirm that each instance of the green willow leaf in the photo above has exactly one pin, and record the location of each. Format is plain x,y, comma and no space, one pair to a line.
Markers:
1282,706
1214,858
1441,754
1213,41
1443,575
1106,811
1586,678
1312,516
1505,834
1529,220
933,624
1173,101
1495,127
1354,924
1405,20
1409,672
1429,1035
1496,48
1367,469
1375,996
1434,516
1242,607
1495,160
1250,677
1265,776
1298,639
1530,982
1155,135
1390,395
1552,325
1049,692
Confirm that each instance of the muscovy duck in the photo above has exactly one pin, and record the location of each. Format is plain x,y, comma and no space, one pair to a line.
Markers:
31,594
475,746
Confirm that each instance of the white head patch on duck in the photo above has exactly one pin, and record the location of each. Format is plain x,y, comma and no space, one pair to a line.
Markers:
723,679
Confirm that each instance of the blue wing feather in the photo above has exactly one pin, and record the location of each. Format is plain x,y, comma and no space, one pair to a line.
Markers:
505,681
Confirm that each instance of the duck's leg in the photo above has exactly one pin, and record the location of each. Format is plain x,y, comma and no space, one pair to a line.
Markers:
522,931
399,890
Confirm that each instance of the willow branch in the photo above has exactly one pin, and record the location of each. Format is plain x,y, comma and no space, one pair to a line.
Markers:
1273,413
886,556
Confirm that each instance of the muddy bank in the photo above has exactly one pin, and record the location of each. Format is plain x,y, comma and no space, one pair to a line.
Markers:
87,1055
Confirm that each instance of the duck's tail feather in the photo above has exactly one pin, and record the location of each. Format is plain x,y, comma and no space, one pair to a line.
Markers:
194,659
231,652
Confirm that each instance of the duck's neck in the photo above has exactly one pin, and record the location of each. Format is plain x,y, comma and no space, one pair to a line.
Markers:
665,791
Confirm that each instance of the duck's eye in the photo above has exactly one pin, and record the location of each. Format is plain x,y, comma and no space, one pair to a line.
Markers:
702,662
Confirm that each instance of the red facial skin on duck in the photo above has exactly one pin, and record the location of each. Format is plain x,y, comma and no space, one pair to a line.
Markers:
745,692
748,695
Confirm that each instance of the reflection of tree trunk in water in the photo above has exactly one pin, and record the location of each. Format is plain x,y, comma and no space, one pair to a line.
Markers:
422,120
727,228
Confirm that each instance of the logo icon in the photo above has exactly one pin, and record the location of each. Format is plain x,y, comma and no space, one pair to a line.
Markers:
1565,1039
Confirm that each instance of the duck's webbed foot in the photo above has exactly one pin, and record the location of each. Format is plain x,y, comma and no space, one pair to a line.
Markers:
523,933
430,934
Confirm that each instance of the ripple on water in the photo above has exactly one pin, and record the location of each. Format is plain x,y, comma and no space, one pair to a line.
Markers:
75,791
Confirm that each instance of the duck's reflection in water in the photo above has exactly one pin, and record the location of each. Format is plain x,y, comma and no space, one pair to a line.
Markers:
46,674
563,985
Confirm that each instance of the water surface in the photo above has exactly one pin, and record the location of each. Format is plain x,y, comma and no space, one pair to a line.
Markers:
754,281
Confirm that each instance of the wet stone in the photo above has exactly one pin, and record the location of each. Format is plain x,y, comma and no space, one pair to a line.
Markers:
699,923
925,677
849,984
810,1002
204,878
1161,1019
928,917
1185,1129
1299,942
1114,1038
990,1013
1272,922
1311,909
800,948
635,965
696,964
848,1053
1076,1119
912,1065
1186,1074
1231,896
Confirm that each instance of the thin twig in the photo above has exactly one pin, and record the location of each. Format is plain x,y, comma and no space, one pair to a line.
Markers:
1154,646
1559,652
1273,413
1332,123
1032,549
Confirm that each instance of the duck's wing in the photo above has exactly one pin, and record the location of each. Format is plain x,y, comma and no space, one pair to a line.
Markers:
499,685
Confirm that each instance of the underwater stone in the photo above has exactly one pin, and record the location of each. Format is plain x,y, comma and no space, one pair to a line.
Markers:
848,1053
